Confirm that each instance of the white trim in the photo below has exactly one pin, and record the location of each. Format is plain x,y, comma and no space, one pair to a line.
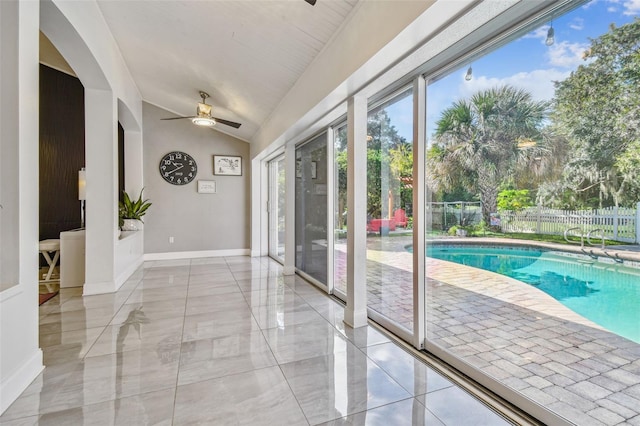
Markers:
419,188
13,386
290,210
331,215
126,274
10,293
197,254
355,313
263,169
101,287
255,207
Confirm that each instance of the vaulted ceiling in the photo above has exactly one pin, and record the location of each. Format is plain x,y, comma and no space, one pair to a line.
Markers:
246,54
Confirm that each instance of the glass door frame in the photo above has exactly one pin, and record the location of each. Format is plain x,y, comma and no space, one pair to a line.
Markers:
272,207
328,286
415,337
331,205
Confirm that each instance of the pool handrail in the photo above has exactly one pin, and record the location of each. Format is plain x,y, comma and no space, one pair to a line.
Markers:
566,235
589,237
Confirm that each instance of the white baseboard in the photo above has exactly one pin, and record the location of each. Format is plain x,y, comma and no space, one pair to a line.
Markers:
13,386
11,292
196,254
124,276
90,289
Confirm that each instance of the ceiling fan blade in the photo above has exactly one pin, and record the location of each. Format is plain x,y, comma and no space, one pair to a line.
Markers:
227,122
176,118
311,2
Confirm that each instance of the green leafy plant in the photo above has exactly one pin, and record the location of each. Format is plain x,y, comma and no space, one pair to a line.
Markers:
129,209
514,199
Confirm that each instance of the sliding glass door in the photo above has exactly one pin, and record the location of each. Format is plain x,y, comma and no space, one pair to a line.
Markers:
340,211
389,212
311,209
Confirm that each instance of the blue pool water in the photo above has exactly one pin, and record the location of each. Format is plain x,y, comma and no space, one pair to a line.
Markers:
608,295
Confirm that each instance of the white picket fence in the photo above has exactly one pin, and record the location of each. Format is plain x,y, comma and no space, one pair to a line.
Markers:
616,223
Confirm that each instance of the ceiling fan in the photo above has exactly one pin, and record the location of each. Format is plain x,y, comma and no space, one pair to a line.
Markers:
203,115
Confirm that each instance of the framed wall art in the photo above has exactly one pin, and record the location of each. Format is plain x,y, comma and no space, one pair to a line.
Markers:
227,165
207,187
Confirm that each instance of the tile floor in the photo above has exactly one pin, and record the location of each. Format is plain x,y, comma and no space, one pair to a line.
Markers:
511,332
227,341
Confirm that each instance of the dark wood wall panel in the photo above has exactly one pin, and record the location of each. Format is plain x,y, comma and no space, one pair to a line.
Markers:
120,161
61,151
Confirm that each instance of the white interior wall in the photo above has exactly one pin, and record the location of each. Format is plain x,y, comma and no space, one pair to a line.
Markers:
101,159
8,151
200,224
20,357
79,32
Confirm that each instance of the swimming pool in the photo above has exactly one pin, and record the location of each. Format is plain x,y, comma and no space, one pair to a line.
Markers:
608,295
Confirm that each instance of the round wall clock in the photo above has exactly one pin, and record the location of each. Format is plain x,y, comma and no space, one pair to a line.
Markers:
178,168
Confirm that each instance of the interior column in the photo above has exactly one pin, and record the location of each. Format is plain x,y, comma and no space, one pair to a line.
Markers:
290,210
101,157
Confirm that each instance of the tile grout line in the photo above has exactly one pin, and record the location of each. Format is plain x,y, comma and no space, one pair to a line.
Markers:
184,318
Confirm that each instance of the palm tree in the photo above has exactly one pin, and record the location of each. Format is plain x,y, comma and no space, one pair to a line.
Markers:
483,141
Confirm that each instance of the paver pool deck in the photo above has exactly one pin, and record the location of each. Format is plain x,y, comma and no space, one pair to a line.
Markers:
513,332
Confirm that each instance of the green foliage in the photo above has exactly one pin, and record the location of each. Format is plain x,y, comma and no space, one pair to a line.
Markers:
453,230
401,164
129,209
478,230
483,141
597,109
514,199
387,152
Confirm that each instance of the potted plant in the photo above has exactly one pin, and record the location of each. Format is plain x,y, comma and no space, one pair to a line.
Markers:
131,212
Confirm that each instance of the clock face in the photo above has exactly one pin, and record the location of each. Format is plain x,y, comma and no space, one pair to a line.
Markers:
178,168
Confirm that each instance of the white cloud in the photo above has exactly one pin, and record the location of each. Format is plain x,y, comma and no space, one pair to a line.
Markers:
537,82
577,24
631,7
566,55
591,3
539,33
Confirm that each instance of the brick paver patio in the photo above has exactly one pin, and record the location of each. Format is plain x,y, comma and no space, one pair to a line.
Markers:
512,332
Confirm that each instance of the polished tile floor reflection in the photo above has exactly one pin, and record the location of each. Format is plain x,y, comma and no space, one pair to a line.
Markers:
227,341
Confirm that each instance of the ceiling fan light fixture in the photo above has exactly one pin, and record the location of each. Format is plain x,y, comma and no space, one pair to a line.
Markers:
203,121
203,110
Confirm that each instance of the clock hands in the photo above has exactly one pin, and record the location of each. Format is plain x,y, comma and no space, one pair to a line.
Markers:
174,170
177,168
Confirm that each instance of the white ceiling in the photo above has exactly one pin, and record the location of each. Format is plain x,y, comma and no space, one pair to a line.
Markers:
246,54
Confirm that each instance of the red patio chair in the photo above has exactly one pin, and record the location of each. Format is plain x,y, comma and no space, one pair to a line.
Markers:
400,217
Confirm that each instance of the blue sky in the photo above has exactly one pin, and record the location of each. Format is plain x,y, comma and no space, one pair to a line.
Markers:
525,63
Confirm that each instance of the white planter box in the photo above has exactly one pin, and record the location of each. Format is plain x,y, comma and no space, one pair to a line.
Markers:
132,225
